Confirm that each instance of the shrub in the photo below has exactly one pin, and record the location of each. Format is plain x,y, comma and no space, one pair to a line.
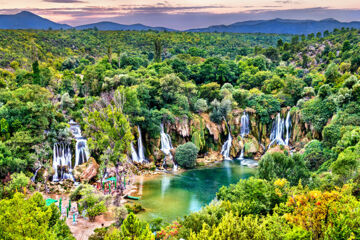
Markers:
186,155
96,210
120,215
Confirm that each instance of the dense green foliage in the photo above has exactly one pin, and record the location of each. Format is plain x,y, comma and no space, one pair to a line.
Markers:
186,155
111,82
30,218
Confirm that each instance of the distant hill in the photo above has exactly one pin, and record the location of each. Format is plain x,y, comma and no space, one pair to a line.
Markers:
280,26
111,26
28,20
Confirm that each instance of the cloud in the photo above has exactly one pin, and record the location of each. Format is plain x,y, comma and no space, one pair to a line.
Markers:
182,17
162,8
64,1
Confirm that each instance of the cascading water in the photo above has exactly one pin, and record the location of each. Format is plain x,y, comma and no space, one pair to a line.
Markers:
141,154
134,155
244,131
225,150
81,151
245,125
33,178
62,162
62,158
288,128
277,131
166,145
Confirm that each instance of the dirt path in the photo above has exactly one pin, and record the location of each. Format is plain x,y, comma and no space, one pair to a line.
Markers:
83,228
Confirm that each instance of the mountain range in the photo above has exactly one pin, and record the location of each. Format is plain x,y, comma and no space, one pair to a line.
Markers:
280,26
28,20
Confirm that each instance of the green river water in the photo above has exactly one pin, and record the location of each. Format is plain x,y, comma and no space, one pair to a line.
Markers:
171,196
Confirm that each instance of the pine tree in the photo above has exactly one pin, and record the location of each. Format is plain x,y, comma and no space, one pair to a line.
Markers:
134,229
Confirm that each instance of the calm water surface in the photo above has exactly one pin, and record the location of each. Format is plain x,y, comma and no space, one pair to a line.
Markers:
172,196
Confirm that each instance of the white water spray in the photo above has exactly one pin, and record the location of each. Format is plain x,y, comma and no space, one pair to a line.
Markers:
287,126
166,145
141,154
225,150
280,126
244,131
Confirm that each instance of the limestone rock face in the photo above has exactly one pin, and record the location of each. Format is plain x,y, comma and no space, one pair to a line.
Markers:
278,148
181,126
213,157
235,148
212,127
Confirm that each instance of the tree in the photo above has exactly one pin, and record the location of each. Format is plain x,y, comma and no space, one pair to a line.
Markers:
201,105
278,165
252,196
332,73
326,215
315,154
131,229
109,130
186,155
9,163
157,49
36,72
317,112
347,163
22,218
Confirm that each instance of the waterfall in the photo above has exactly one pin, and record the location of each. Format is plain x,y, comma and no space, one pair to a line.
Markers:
287,126
277,131
81,151
166,145
33,178
245,126
134,155
242,153
244,131
141,154
62,162
225,150
62,158
175,168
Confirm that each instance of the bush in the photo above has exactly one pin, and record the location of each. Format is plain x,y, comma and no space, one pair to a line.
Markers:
120,215
186,155
96,210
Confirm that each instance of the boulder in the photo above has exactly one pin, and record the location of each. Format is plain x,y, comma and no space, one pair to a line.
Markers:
86,171
90,171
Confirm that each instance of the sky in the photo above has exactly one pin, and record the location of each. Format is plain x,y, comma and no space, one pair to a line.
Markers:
183,14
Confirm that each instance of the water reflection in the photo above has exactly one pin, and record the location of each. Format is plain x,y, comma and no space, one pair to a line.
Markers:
170,197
